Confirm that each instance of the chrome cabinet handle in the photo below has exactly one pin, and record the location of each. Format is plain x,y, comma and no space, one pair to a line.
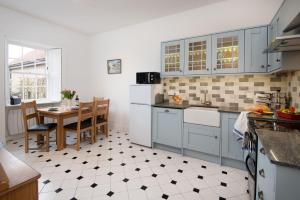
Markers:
277,60
263,66
167,111
262,173
207,69
260,195
262,151
215,69
269,65
216,137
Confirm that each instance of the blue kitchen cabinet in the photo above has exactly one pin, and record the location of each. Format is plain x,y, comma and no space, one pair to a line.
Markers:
274,59
231,148
172,58
228,52
198,56
204,139
256,41
275,182
167,125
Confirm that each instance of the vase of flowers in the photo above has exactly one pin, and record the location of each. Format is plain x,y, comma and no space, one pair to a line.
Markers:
68,95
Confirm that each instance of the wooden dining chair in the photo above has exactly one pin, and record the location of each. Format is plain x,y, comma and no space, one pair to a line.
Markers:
85,122
41,130
101,110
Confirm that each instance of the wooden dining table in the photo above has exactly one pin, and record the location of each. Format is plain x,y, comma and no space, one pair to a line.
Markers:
60,115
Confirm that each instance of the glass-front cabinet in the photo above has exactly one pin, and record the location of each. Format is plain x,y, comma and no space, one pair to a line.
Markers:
172,62
198,55
228,52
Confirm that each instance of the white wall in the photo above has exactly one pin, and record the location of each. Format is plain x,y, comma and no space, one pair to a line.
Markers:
17,26
139,45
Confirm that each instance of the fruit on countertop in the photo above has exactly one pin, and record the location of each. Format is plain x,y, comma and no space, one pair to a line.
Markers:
260,108
290,110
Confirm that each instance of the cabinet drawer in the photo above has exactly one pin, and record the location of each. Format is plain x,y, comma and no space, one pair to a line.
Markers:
201,138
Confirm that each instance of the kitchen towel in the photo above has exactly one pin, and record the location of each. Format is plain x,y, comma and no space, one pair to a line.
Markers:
240,129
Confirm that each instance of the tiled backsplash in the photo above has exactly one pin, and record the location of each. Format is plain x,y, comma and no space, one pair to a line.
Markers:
235,90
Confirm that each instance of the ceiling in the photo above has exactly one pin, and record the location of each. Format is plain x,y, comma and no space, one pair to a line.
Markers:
96,16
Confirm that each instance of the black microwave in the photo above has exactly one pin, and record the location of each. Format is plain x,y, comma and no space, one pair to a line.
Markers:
147,78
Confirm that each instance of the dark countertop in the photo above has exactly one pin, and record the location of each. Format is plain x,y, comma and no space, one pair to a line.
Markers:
282,148
271,118
185,105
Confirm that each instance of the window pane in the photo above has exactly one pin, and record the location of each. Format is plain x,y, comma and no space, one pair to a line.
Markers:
14,51
41,81
29,93
29,80
16,82
41,92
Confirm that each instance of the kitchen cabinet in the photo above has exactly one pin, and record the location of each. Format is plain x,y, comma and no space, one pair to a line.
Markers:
231,148
167,126
274,59
228,52
205,139
256,41
172,59
198,56
275,182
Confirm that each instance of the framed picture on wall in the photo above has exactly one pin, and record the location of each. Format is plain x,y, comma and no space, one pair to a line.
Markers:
114,66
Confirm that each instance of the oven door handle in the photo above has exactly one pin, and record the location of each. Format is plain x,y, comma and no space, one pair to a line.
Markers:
247,158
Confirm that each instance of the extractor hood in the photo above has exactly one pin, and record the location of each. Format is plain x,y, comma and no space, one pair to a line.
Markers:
289,41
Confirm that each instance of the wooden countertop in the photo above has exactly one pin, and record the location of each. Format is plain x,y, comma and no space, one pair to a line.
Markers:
18,173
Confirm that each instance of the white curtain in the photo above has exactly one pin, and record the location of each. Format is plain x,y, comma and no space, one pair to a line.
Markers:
54,63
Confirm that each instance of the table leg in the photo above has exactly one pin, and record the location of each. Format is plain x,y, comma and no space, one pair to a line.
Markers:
60,133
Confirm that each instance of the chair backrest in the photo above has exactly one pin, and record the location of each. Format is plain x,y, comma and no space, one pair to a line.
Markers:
33,114
86,111
101,107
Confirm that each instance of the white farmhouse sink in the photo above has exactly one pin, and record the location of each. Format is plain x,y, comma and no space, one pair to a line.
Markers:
202,115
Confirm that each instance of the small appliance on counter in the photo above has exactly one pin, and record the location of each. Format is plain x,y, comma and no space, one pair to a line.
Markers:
141,98
15,100
147,78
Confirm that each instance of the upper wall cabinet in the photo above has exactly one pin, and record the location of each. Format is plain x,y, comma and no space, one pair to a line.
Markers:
256,41
228,52
198,55
274,59
172,62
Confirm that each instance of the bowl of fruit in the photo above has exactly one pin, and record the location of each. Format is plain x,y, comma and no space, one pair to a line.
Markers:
289,113
175,99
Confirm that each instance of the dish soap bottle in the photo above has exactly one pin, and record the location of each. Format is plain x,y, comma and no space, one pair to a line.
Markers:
76,101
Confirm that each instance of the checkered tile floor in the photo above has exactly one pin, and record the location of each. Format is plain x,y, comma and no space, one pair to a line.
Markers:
113,168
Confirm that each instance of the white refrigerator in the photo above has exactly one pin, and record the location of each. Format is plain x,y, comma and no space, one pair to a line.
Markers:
142,96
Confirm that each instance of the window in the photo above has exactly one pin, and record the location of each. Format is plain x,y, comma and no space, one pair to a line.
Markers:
33,73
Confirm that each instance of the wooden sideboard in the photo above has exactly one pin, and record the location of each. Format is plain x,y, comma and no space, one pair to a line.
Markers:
17,179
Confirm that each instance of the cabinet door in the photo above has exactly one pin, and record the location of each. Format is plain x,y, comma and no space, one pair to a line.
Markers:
201,138
172,58
274,59
167,126
198,55
231,148
228,52
256,41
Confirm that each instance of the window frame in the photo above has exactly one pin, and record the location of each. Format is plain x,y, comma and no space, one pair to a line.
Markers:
48,99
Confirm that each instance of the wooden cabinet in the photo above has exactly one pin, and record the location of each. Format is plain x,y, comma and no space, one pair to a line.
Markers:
256,41
231,148
205,139
228,52
172,59
198,56
167,126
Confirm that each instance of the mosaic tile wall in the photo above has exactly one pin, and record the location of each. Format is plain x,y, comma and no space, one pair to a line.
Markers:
233,91
294,88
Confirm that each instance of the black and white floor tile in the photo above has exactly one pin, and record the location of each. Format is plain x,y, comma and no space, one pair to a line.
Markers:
113,168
